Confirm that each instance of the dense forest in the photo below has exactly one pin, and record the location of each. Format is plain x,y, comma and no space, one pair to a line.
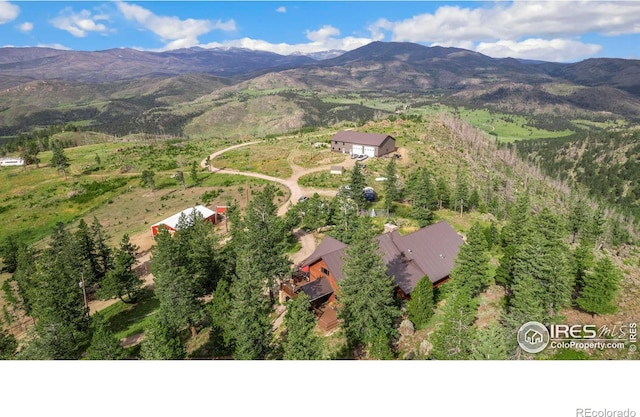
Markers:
606,163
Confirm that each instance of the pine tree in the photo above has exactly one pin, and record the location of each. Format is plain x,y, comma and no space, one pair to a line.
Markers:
8,345
194,172
177,290
367,304
84,254
357,186
220,309
577,220
443,194
9,253
600,288
517,230
454,338
122,279
316,212
250,308
461,198
424,199
391,192
103,255
59,160
302,342
583,262
104,345
490,343
471,269
344,217
161,341
420,306
148,179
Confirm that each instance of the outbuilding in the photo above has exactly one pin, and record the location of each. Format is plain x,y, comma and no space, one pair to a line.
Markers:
171,223
337,170
360,143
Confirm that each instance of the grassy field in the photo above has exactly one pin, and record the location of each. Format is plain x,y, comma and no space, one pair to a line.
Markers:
264,158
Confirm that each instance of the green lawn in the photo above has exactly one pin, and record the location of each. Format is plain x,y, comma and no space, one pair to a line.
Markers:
128,319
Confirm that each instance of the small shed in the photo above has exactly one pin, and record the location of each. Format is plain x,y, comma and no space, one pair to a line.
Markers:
171,223
337,170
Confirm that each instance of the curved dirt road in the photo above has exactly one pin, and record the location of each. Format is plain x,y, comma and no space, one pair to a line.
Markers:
291,183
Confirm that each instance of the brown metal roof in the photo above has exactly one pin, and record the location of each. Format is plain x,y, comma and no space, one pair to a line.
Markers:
317,289
361,138
429,251
325,247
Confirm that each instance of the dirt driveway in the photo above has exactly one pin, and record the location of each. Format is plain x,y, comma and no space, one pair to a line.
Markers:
291,182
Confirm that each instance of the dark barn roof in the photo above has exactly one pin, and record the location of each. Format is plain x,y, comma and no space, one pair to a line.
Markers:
361,138
429,251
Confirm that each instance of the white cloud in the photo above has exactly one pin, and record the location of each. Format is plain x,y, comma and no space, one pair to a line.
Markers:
281,9
557,50
8,12
54,46
26,27
79,24
323,39
176,33
322,34
517,26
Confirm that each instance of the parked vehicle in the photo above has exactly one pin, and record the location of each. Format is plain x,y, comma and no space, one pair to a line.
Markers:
303,199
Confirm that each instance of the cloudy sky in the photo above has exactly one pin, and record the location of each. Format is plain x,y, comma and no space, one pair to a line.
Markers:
556,30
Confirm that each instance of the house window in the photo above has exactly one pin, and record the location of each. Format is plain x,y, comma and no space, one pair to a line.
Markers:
324,270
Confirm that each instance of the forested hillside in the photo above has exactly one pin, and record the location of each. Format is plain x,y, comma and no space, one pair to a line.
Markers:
606,163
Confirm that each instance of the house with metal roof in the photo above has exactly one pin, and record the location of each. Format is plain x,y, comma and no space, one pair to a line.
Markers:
430,251
361,143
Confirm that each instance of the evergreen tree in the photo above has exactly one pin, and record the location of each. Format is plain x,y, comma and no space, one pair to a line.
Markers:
597,227
474,200
59,160
122,279
9,252
454,338
490,343
161,341
103,257
58,305
517,230
98,161
84,254
577,220
250,308
220,309
583,262
461,197
8,345
104,345
148,179
344,217
177,290
263,232
443,194
302,341
357,186
316,212
32,154
367,304
424,199
471,269
391,192
420,306
194,172
600,288
492,235
24,277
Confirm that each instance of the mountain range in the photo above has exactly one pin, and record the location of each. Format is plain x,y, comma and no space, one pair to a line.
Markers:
40,86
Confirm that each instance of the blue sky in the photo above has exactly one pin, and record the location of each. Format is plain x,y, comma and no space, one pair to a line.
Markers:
556,30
